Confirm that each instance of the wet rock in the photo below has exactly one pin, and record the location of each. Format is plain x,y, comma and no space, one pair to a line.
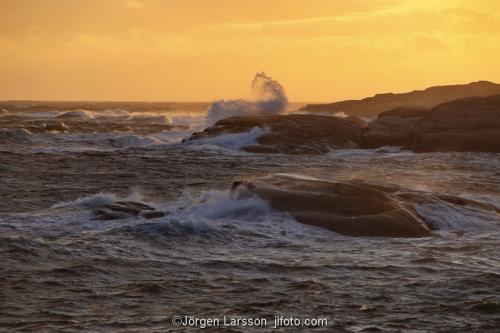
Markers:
153,215
105,214
124,209
350,208
291,134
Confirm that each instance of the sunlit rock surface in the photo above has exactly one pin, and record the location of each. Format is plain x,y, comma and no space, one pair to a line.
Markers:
350,207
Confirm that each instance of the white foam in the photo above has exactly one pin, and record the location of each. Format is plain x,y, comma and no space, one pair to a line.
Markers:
268,98
449,218
341,114
217,205
77,114
113,113
232,141
151,118
91,201
101,199
388,149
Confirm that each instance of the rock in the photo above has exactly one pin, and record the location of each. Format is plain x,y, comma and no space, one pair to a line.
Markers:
428,98
3,112
406,112
125,209
470,124
56,127
358,121
291,134
153,215
392,131
460,141
474,113
105,214
350,208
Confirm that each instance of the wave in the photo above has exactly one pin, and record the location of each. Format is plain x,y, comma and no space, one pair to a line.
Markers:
132,140
91,201
147,118
230,141
78,114
114,113
223,204
269,98
15,135
446,218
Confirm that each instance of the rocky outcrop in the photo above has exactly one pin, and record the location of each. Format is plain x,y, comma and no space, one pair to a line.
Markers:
350,208
291,134
428,98
125,209
397,127
470,124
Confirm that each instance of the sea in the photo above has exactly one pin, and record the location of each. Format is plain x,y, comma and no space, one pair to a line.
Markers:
214,256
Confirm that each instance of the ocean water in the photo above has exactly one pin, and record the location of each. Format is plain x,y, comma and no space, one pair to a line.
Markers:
213,255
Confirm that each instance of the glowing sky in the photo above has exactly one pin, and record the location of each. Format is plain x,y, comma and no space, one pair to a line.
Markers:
200,50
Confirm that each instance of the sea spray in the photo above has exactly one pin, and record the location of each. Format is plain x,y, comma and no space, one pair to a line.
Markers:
268,98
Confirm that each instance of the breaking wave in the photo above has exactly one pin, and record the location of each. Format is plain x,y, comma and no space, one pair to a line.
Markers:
268,98
79,114
230,141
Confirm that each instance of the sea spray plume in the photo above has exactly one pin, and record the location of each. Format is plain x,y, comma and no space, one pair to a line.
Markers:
268,97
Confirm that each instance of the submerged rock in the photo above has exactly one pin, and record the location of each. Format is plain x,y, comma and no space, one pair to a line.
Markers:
124,209
291,134
352,208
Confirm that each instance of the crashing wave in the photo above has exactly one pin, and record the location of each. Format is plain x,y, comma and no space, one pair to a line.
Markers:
78,114
230,141
114,113
91,201
269,98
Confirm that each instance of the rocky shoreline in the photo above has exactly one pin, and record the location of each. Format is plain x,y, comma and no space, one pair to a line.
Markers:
468,124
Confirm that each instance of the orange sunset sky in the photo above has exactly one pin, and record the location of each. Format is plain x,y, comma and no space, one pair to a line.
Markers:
200,50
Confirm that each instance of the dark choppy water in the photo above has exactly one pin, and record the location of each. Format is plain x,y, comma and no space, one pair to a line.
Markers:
62,271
